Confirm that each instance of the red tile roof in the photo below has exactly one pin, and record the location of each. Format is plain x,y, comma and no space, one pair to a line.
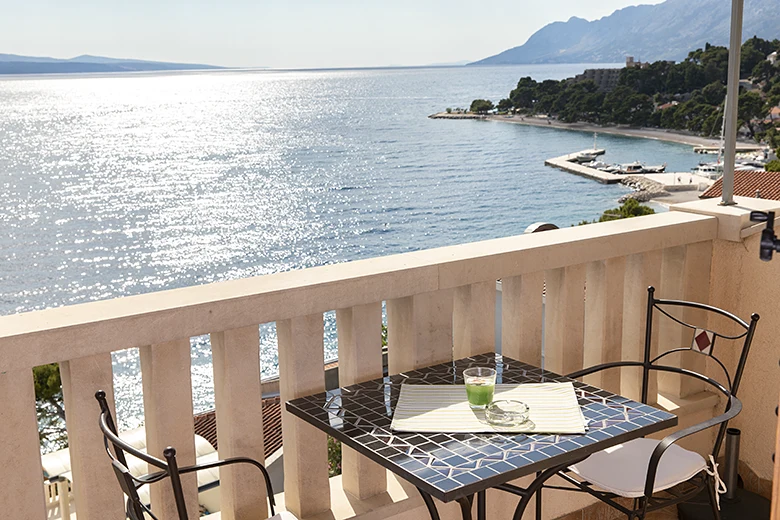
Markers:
206,425
746,183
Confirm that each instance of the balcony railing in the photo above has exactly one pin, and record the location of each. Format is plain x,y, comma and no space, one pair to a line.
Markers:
440,305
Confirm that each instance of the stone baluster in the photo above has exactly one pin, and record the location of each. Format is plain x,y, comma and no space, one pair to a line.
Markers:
521,317
301,373
360,359
90,464
685,275
419,330
474,319
564,319
642,270
21,480
604,282
238,399
168,417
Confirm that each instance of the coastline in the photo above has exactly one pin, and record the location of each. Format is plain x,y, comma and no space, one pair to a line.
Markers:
662,202
625,131
645,133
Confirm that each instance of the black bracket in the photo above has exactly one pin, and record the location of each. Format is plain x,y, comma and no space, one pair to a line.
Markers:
769,241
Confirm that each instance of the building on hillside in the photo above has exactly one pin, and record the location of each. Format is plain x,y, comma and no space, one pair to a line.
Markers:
772,58
631,64
668,105
608,79
773,116
748,85
749,183
605,79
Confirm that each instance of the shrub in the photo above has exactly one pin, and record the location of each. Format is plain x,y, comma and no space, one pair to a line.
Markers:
773,166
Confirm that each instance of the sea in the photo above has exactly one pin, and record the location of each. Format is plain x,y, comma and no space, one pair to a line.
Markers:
115,185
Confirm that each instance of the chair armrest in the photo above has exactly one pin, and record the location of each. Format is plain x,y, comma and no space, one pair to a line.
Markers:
605,366
237,460
735,406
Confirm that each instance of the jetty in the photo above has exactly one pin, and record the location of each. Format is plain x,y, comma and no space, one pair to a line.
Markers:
741,148
567,163
457,115
647,186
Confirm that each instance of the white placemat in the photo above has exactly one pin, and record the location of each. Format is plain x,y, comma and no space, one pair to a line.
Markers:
553,408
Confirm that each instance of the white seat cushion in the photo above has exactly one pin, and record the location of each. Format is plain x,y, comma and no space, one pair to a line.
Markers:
622,469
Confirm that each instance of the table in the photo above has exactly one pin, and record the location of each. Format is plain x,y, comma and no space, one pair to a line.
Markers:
458,466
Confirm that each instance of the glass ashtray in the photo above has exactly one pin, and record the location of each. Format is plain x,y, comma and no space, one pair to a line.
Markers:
506,413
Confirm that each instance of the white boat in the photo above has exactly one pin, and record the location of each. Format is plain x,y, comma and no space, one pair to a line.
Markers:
597,164
655,169
711,170
638,167
631,168
602,166
585,157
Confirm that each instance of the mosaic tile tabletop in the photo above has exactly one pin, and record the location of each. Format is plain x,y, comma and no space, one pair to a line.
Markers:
449,466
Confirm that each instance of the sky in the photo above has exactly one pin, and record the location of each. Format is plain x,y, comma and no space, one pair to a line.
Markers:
284,33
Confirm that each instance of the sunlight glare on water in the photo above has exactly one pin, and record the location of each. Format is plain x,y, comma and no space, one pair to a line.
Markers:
128,184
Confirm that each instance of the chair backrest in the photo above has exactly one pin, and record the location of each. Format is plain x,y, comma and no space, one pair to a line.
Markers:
118,450
703,342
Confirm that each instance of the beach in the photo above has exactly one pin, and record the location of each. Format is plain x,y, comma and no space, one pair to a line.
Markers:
645,133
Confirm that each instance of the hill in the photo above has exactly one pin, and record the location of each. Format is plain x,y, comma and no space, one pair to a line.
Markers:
16,64
666,31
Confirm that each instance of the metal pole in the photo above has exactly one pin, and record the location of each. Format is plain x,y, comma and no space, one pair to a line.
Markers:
732,100
732,462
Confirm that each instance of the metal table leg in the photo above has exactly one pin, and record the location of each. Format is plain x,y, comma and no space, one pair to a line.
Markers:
535,489
539,500
465,506
429,504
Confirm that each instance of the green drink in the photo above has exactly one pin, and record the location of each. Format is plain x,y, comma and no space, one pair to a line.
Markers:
480,386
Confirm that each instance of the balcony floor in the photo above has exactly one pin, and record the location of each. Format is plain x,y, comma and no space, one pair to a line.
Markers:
670,513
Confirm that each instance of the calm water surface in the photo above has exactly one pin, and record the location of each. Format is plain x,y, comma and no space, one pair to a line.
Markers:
120,185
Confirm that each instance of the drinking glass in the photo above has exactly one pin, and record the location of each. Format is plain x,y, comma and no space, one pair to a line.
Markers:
480,386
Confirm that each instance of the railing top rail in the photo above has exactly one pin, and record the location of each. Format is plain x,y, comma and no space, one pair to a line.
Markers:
52,335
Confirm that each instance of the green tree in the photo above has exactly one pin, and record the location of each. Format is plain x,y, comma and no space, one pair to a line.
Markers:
546,93
751,109
49,406
754,51
334,457
763,71
773,166
523,96
634,108
629,209
714,93
481,106
505,105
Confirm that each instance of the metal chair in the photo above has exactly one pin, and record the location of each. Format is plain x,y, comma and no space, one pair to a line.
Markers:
117,450
638,469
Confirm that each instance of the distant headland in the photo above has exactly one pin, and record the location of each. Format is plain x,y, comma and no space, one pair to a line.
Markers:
16,64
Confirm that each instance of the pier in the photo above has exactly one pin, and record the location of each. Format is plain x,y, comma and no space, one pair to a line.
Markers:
741,148
566,163
663,183
457,115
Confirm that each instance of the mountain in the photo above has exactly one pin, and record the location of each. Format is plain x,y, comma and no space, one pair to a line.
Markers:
666,31
16,64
